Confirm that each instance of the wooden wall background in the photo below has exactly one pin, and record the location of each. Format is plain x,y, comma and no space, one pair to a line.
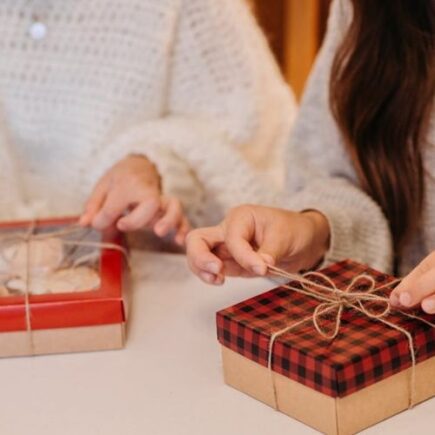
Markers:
295,29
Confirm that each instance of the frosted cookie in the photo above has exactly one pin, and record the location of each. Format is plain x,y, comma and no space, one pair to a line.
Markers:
73,280
45,256
61,281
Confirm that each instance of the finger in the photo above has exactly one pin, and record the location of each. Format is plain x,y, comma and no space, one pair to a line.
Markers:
141,216
157,216
417,288
240,232
274,247
180,237
231,268
94,203
199,244
245,255
209,278
171,219
418,281
222,252
271,249
113,207
428,304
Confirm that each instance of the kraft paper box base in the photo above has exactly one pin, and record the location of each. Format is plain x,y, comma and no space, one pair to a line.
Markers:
332,416
62,340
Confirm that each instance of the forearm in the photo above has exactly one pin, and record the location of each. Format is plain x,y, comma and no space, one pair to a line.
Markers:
357,227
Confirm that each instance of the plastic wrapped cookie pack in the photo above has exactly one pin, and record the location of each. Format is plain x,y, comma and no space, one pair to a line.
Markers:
61,288
48,264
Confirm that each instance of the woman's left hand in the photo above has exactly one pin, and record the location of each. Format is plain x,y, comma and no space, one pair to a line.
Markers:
417,288
129,197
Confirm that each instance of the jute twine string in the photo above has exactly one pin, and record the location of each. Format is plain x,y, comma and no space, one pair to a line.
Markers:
333,301
27,237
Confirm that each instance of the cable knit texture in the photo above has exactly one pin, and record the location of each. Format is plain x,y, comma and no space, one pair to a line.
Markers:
189,83
323,178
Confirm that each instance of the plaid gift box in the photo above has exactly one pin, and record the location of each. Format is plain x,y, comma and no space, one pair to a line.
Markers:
357,379
41,320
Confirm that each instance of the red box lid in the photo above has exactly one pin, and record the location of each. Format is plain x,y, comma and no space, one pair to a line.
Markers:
364,352
104,305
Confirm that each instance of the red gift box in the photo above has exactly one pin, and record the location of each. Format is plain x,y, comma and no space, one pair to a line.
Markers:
343,373
65,322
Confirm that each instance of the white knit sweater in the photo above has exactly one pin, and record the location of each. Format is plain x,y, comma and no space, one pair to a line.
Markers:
323,177
189,83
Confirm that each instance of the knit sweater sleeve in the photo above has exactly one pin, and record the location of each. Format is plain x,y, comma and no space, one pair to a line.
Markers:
221,140
320,173
12,204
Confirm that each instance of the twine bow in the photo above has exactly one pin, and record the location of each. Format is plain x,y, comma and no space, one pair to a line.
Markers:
28,236
333,301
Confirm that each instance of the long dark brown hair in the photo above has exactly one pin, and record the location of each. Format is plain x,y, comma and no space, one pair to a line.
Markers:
382,89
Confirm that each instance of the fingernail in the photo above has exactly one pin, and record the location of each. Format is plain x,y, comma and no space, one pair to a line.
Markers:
213,267
207,277
259,270
394,300
428,306
220,279
405,299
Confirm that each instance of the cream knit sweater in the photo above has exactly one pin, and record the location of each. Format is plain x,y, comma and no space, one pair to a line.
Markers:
189,83
324,179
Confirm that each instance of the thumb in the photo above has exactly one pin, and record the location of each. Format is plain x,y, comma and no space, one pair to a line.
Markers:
267,258
270,248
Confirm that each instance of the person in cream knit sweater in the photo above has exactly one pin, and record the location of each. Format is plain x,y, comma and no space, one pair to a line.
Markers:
137,108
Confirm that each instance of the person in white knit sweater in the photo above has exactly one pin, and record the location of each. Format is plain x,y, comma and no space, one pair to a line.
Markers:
361,172
159,104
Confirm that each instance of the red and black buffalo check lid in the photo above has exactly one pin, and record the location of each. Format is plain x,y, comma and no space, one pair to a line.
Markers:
364,352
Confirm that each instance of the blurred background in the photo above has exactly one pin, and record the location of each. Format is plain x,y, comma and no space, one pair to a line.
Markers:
295,29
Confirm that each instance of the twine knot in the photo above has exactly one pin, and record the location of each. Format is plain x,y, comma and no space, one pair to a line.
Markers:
361,295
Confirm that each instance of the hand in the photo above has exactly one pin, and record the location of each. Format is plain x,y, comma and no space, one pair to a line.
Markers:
129,196
253,237
417,288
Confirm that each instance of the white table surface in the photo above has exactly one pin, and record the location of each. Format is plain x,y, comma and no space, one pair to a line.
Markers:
166,381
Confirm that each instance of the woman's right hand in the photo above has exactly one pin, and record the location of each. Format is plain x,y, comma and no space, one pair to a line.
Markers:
129,197
252,237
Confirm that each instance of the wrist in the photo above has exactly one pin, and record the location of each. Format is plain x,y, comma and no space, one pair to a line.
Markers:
321,235
150,167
